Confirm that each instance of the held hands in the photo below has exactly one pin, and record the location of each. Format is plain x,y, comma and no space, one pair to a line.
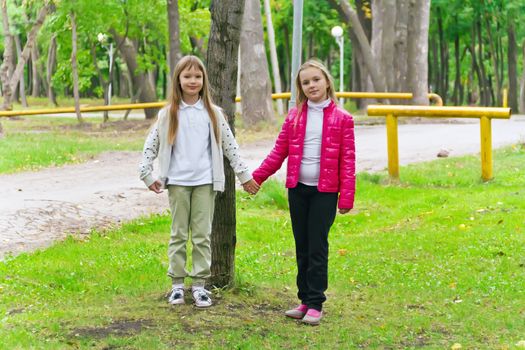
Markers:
343,211
251,186
156,187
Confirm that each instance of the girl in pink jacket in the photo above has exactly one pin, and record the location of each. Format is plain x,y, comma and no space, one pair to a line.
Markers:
318,139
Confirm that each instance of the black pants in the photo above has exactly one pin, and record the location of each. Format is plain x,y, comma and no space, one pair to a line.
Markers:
312,213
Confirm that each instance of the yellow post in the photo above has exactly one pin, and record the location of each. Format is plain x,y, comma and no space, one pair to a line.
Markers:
505,98
486,148
392,145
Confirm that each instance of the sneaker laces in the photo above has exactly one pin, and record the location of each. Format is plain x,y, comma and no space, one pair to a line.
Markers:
177,293
201,294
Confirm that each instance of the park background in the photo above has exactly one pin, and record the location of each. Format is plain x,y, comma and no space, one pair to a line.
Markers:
432,261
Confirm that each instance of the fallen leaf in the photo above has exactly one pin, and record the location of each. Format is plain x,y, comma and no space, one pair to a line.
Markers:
456,346
342,252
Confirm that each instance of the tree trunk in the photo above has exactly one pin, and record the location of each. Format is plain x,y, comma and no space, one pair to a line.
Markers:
140,80
8,59
50,67
35,81
513,69
475,98
522,82
375,45
419,15
434,74
387,43
457,94
174,35
400,46
223,44
495,63
485,93
31,40
21,84
256,87
350,15
443,59
273,55
74,67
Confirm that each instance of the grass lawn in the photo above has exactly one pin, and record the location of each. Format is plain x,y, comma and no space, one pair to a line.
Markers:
431,262
35,142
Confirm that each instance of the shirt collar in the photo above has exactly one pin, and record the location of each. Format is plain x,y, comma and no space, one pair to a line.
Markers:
199,104
319,106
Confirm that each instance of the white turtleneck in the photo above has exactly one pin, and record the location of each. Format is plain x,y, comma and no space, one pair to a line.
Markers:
309,173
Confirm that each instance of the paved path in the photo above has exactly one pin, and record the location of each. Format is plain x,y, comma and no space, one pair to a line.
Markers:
38,208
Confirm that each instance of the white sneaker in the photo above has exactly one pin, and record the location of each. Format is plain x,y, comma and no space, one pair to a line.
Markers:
201,297
176,296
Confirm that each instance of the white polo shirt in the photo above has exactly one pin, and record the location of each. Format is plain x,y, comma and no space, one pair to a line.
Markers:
190,163
310,164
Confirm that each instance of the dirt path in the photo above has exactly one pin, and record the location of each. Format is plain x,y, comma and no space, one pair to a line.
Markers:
38,208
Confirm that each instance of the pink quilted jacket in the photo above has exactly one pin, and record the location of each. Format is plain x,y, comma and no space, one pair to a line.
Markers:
337,168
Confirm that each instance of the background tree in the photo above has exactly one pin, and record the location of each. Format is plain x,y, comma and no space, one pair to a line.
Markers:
173,34
222,56
256,87
273,55
419,16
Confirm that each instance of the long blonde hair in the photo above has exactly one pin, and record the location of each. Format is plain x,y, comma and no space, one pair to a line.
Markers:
301,97
187,62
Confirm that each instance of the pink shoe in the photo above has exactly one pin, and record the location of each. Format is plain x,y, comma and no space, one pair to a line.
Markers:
312,317
298,312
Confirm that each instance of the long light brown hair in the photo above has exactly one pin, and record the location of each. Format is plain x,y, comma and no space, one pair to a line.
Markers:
301,97
188,62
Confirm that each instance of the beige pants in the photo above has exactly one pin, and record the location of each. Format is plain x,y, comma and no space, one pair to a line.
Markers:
192,210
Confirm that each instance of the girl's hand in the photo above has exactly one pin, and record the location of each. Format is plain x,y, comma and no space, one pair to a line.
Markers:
251,186
156,187
344,211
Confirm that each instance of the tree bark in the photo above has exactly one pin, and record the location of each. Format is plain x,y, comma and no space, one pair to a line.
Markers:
8,59
50,67
521,101
350,15
387,42
21,83
401,47
443,59
140,80
74,67
419,16
256,87
512,68
472,49
457,95
31,40
495,63
35,81
174,34
273,55
485,93
223,44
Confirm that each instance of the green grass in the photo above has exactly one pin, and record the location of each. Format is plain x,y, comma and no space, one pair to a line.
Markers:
37,142
434,260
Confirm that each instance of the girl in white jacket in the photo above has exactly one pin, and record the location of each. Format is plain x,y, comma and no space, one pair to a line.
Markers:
189,139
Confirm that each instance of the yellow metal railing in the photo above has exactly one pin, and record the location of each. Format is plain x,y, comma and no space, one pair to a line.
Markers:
83,109
375,95
284,95
485,114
